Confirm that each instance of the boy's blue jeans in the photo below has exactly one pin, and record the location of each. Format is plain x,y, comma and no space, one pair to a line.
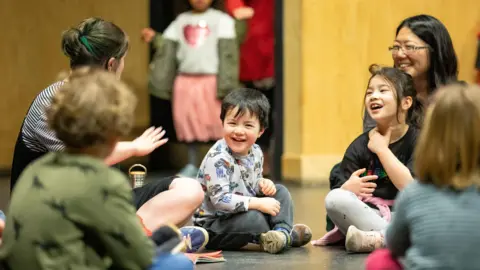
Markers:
171,262
235,231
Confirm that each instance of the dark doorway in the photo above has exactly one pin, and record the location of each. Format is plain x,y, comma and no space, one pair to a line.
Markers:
162,13
278,98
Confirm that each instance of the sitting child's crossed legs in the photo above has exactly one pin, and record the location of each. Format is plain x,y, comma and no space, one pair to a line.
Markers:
236,231
363,226
345,209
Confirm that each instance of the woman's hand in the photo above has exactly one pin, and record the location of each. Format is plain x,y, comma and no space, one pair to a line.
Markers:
150,140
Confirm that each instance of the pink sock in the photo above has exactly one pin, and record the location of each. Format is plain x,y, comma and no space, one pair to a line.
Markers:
330,237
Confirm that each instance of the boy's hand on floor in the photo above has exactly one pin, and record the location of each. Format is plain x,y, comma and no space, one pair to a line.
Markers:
267,187
266,205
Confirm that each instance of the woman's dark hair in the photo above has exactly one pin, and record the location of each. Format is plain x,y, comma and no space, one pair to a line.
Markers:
183,6
93,42
443,61
247,100
404,87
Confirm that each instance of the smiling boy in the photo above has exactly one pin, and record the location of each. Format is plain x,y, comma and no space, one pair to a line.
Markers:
240,206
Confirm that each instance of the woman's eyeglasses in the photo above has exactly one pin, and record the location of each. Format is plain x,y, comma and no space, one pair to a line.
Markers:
406,49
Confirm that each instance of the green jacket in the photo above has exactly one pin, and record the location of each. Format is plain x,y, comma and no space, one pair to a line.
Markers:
73,212
163,68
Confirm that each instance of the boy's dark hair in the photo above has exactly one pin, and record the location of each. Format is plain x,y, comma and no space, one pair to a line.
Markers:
247,100
404,87
93,42
443,60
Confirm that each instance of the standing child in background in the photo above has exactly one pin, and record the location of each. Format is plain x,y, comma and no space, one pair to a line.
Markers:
436,221
377,164
240,206
69,210
196,65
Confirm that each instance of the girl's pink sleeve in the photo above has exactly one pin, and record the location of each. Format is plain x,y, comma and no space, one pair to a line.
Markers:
231,5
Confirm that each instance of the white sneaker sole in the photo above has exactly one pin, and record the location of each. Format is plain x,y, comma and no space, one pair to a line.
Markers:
353,241
272,242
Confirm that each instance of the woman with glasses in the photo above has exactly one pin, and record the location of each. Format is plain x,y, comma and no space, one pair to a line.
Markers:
423,48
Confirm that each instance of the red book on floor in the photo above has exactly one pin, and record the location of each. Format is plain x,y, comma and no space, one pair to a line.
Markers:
208,257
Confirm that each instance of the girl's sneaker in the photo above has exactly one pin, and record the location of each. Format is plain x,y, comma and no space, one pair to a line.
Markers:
362,242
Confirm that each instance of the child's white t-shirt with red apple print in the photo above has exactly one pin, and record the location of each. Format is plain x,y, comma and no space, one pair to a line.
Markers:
197,36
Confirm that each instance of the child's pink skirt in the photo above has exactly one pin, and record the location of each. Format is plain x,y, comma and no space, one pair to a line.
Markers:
196,108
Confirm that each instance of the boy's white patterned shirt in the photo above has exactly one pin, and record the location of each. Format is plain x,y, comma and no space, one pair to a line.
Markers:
228,180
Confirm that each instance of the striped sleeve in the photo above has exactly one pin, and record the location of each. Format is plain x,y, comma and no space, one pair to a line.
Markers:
47,137
37,136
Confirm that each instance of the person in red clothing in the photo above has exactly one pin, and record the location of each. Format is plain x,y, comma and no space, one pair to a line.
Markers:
257,68
257,49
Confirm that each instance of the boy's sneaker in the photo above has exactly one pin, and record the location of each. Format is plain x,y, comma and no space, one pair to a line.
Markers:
273,241
196,238
168,239
301,235
362,242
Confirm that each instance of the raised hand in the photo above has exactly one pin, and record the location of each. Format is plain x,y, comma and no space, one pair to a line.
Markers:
148,34
243,13
150,140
